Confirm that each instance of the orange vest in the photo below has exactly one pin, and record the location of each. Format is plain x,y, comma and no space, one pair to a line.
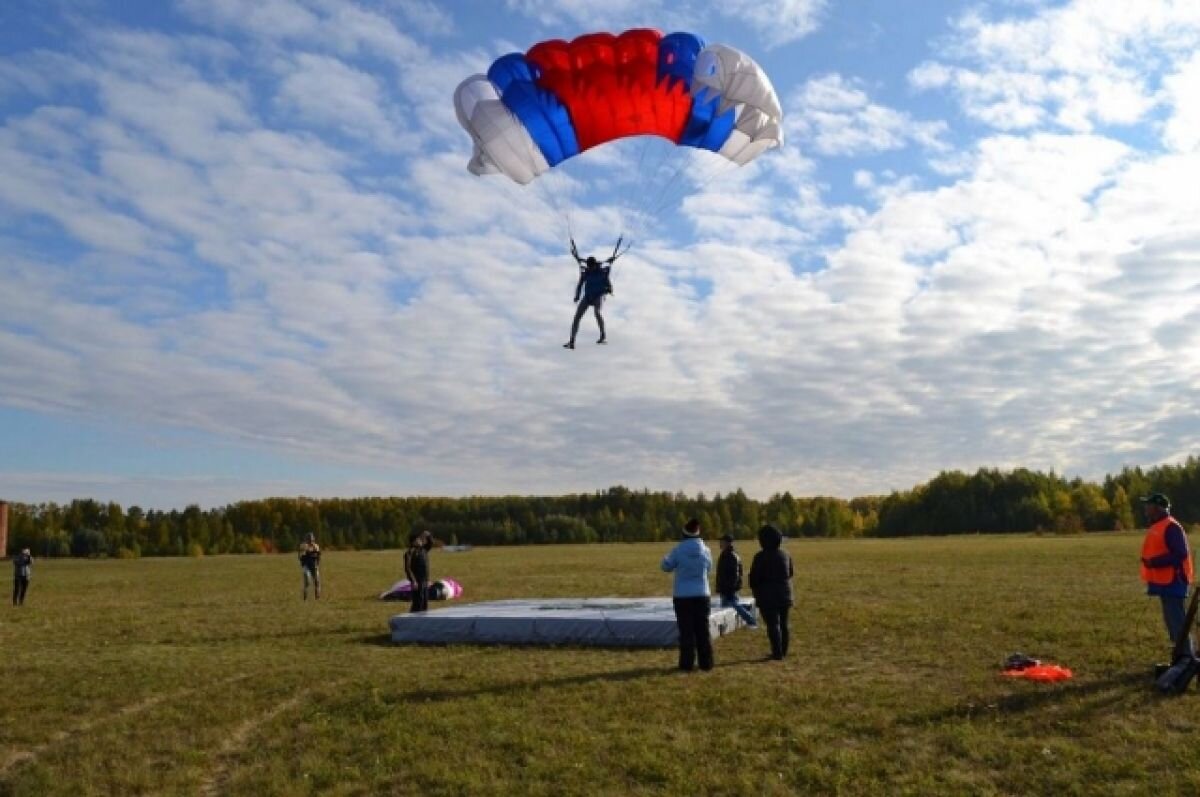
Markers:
1155,545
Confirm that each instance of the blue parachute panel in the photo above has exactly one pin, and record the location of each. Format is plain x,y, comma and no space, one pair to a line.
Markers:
540,112
677,54
706,128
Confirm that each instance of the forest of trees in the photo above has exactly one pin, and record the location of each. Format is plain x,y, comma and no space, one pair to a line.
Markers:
988,501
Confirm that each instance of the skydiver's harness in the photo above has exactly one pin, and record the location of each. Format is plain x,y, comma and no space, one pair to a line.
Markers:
616,253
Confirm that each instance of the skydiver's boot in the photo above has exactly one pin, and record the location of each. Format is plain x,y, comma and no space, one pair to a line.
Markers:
570,344
603,339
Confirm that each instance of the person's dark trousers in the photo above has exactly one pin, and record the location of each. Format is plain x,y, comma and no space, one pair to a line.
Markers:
420,596
20,585
691,616
1173,616
776,620
594,302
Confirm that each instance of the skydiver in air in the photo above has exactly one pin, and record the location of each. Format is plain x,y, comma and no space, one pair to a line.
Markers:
594,283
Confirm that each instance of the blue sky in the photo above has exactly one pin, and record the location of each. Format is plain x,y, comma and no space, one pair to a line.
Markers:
242,255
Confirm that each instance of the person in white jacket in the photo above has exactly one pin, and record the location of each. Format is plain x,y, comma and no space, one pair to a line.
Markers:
691,563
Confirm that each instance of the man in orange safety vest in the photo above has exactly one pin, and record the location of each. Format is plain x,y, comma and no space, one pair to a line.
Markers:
1166,563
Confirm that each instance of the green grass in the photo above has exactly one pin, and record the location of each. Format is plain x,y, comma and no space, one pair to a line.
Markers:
194,676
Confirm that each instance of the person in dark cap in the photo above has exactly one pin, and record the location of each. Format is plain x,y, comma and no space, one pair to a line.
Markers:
1166,563
691,562
771,582
729,580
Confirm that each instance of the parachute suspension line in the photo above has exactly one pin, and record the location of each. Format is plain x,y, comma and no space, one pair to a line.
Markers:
646,142
552,195
658,198
719,169
545,193
669,167
670,163
618,251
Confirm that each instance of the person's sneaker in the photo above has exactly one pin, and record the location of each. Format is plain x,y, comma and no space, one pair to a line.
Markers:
752,626
570,344
603,339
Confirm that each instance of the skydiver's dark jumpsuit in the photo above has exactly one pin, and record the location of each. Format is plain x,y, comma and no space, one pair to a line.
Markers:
595,285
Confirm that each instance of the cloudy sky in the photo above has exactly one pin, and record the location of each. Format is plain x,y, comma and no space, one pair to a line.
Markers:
241,254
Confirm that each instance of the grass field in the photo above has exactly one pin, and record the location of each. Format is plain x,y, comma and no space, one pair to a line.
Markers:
210,676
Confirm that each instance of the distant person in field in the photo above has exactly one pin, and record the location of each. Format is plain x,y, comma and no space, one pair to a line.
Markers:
594,284
310,565
691,562
729,580
22,570
416,568
1166,563
771,582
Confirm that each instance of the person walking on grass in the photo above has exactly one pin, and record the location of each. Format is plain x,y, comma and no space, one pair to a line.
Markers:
310,565
1167,566
22,570
771,582
729,580
691,562
416,568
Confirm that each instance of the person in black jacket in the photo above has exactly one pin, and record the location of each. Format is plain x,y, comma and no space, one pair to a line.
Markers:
310,565
416,568
771,583
729,580
22,570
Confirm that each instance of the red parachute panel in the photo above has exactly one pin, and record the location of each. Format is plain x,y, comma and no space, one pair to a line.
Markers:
609,85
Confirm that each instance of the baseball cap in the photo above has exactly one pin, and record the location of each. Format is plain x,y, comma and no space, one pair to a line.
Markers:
1158,499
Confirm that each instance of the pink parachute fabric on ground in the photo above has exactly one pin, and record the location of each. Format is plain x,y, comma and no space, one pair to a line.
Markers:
442,589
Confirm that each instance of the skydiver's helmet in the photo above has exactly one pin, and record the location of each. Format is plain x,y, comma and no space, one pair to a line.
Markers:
592,263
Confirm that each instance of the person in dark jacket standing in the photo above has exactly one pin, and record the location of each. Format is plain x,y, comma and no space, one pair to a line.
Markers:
729,580
22,570
310,565
416,568
1167,567
691,562
771,583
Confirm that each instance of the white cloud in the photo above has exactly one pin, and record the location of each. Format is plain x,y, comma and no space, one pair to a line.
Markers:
779,22
834,116
1182,90
614,15
427,16
1085,64
344,28
238,262
327,92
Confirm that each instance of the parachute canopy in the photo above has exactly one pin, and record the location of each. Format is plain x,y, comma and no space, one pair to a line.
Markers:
534,110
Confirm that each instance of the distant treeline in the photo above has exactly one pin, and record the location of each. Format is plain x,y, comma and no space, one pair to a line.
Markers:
991,501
